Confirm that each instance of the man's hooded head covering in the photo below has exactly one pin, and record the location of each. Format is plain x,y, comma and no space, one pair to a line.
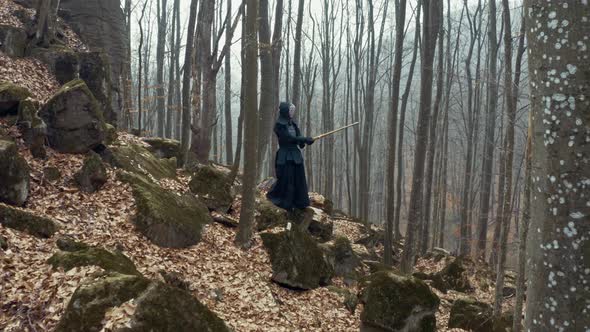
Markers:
284,108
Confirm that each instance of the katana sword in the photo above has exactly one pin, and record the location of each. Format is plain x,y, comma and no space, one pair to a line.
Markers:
334,131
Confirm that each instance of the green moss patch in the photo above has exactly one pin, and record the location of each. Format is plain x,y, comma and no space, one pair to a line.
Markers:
26,221
10,97
137,159
297,260
167,219
269,215
397,303
213,187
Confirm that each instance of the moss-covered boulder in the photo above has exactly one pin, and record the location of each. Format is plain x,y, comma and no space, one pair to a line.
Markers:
135,158
95,71
297,260
452,276
396,303
111,134
213,187
13,40
167,219
32,128
14,175
93,174
158,306
26,221
472,315
163,147
79,254
166,308
10,97
93,298
321,202
269,215
75,123
345,260
320,226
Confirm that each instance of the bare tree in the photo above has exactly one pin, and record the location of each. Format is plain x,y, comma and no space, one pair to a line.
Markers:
250,74
160,48
139,70
227,92
432,12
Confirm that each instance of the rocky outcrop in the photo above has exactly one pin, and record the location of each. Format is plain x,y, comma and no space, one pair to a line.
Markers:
469,314
320,226
269,215
452,276
135,158
297,260
101,25
343,257
74,120
93,174
167,219
10,97
213,187
163,147
14,175
32,128
73,254
26,221
13,40
396,303
159,307
95,71
63,62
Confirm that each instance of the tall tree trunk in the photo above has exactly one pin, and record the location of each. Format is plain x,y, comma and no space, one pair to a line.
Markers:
296,97
511,103
160,48
139,72
250,73
432,141
172,109
400,21
178,94
488,154
267,85
557,294
402,123
186,82
227,93
432,13
127,82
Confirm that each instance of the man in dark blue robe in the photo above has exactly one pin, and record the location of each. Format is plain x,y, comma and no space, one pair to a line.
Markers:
290,190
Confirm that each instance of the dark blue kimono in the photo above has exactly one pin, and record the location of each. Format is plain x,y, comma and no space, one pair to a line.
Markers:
290,190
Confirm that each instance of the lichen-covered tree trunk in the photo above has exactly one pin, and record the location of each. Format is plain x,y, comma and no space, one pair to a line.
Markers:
558,293
250,74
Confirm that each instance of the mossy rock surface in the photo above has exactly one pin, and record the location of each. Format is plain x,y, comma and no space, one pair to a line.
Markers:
95,71
111,134
26,221
163,147
270,215
159,307
452,277
167,219
165,308
86,255
10,97
137,159
75,123
61,61
297,260
14,175
93,174
344,258
397,303
213,187
32,128
472,315
13,40
93,298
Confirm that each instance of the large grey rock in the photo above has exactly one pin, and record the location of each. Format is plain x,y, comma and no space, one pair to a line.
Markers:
95,71
60,60
213,187
396,303
13,40
297,260
135,158
10,97
74,120
101,25
167,219
26,221
163,147
14,175
159,307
